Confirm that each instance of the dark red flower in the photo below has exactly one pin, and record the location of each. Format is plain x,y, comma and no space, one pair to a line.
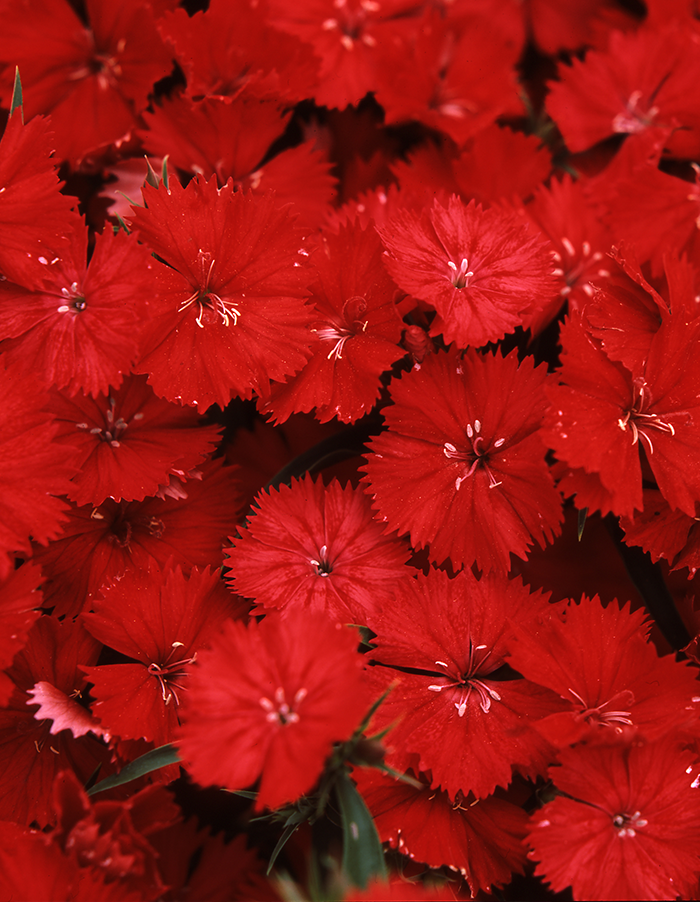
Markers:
268,701
225,137
230,314
92,79
129,442
455,73
482,839
355,335
641,79
666,534
112,837
606,670
30,756
484,271
199,864
461,466
581,243
99,545
309,547
232,46
602,414
443,647
629,827
80,326
33,468
34,867
349,39
161,620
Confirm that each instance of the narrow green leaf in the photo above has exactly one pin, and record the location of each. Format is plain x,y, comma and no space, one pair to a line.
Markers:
151,178
582,514
16,102
363,856
281,843
373,710
166,181
397,775
244,793
153,760
122,225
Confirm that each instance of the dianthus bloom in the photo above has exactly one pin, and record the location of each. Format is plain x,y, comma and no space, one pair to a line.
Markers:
484,271
453,704
316,548
268,701
461,466
229,308
628,827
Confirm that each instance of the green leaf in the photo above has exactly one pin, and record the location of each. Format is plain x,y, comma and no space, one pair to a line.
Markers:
122,224
244,793
153,760
582,514
165,172
294,821
363,856
151,178
16,102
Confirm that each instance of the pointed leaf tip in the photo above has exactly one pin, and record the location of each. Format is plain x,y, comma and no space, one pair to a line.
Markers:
363,855
153,760
16,102
582,514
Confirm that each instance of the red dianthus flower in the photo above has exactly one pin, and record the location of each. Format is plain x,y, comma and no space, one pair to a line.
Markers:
629,827
484,271
461,466
268,701
443,645
316,548
230,314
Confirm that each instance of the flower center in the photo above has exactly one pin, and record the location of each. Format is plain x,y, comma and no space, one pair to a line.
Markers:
339,332
475,457
113,428
470,681
279,711
208,300
577,265
170,671
322,566
628,824
606,718
638,421
635,118
77,302
349,22
460,277
104,65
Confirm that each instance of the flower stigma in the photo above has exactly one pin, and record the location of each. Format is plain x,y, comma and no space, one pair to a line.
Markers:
206,299
279,711
476,457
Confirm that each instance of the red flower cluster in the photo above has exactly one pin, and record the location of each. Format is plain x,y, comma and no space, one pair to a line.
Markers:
325,433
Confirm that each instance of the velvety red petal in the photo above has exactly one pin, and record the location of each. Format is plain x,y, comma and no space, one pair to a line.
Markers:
482,840
33,469
482,270
635,835
268,701
460,466
316,548
130,442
